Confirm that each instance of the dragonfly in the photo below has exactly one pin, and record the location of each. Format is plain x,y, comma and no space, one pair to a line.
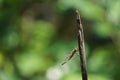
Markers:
70,56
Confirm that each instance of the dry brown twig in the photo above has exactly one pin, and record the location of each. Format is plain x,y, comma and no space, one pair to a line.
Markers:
80,48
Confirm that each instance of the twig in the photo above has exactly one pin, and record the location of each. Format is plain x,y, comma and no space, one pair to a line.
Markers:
81,47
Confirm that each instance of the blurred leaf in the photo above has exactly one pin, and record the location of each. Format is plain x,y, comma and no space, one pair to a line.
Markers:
1,59
114,12
73,76
41,35
87,8
11,40
98,77
98,60
32,63
7,76
77,76
43,30
104,29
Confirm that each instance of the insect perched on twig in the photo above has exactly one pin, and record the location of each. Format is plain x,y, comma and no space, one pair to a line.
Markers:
80,48
70,56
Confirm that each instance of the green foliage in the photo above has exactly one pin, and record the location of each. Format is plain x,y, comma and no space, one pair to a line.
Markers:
87,8
103,29
11,40
91,77
34,39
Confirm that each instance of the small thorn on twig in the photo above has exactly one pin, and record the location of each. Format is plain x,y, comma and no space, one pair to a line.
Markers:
70,56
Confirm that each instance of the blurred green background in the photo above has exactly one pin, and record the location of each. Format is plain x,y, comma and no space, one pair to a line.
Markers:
36,36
